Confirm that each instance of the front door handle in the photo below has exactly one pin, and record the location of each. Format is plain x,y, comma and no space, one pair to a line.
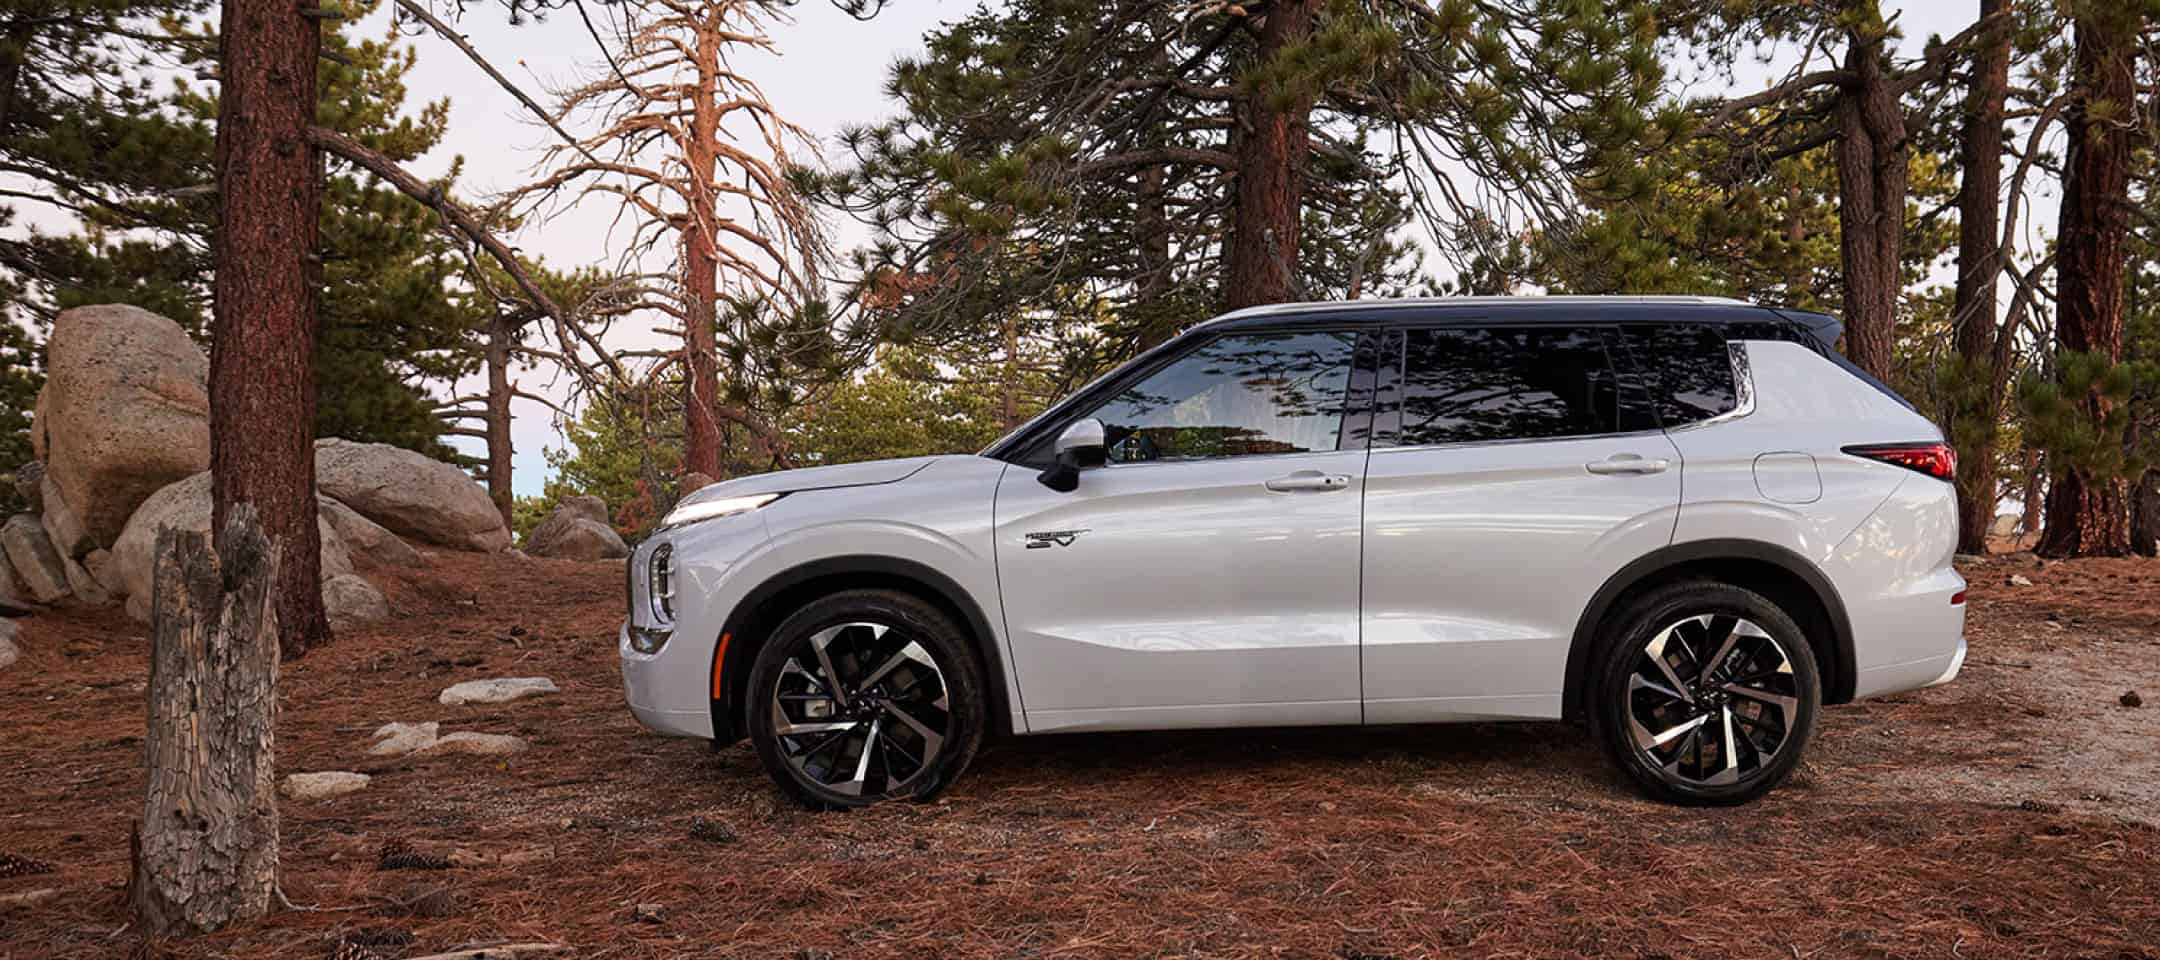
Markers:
1620,463
1308,480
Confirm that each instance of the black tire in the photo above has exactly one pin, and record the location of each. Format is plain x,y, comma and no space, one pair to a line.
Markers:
1635,718
880,740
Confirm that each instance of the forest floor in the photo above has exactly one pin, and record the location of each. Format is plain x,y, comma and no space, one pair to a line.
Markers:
2010,814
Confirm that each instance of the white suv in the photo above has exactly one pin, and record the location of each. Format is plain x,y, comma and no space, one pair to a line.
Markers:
1686,522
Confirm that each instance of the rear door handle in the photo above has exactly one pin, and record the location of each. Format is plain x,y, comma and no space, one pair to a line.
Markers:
1620,463
1309,480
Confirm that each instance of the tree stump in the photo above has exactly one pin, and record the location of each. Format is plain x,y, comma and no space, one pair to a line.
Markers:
209,833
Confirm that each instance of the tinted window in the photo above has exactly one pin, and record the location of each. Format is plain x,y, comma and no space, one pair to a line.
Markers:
1235,396
1688,370
1468,385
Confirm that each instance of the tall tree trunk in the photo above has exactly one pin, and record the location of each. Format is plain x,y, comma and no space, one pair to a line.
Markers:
2034,497
701,263
1871,202
1151,221
2088,513
1272,143
2145,515
262,344
207,852
1009,376
1974,416
502,332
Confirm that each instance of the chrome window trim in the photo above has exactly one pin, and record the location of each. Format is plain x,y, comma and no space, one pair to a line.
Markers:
1743,389
1517,441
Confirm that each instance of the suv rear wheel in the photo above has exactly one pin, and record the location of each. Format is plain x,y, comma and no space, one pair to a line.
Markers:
1706,694
863,696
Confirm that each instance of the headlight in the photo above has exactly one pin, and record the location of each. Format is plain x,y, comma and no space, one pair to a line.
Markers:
697,510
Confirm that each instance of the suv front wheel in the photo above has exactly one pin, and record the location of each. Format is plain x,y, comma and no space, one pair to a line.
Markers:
862,696
1707,694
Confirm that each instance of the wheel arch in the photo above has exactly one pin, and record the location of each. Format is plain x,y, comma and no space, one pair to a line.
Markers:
767,604
1781,575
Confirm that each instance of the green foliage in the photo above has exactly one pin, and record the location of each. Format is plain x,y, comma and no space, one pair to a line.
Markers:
20,380
2081,414
617,449
388,323
901,407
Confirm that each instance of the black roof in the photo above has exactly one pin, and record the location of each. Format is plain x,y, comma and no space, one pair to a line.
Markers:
1449,310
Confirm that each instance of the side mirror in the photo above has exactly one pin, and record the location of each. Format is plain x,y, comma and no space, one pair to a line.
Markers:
1081,445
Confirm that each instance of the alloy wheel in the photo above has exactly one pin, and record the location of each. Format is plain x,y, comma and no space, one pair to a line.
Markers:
860,709
1712,700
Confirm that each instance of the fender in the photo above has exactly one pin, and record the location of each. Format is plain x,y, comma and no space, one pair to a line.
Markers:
1837,675
868,570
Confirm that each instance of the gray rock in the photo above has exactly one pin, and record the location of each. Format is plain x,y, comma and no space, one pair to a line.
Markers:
9,652
499,690
105,571
399,739
2020,580
411,494
61,526
2005,525
577,530
37,565
349,601
186,505
15,598
125,412
84,590
479,744
29,484
365,539
305,787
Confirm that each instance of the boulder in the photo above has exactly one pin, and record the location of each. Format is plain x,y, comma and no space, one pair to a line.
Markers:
84,590
37,565
30,485
105,572
399,739
411,494
481,744
124,413
305,787
9,652
186,505
349,601
577,530
61,525
2005,525
365,539
691,483
499,690
15,598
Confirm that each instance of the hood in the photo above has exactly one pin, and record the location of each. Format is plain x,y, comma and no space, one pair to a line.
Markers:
867,473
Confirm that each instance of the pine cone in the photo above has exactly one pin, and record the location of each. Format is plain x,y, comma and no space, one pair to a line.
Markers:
399,855
13,865
349,950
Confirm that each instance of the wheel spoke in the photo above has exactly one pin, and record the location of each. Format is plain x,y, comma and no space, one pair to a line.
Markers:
1780,701
1657,656
797,729
932,739
833,683
1714,729
912,652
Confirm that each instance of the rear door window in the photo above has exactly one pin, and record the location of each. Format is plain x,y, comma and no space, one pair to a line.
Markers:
1687,371
1477,385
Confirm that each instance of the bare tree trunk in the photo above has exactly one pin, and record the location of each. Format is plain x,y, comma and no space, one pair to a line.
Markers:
2087,513
501,334
1151,220
207,854
1871,203
1272,143
1009,377
2034,498
262,345
1973,421
701,264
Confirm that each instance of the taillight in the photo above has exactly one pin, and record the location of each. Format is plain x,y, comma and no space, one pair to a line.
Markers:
1934,459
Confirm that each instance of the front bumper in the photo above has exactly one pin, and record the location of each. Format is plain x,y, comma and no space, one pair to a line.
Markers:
647,678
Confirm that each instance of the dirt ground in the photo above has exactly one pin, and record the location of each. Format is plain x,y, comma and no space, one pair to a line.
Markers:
2011,814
